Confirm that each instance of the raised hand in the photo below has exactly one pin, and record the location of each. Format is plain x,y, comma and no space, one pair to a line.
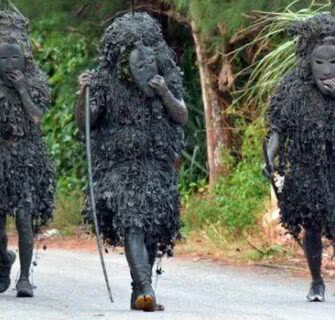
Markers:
85,79
18,79
159,85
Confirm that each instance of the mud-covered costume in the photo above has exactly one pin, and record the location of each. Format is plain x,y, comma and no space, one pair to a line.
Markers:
135,143
26,175
137,114
302,134
305,119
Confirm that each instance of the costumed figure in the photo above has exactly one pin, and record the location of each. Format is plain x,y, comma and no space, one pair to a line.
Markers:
137,114
26,176
302,135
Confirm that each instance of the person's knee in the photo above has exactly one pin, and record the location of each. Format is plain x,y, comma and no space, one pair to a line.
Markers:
134,234
23,221
314,233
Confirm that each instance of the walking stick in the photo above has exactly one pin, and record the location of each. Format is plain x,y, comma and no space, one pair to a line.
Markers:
91,187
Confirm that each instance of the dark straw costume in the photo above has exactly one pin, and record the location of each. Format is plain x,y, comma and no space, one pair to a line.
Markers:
138,111
302,134
135,143
305,119
26,176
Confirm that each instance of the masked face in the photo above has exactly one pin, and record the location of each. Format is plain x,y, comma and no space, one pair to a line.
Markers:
11,58
143,67
323,68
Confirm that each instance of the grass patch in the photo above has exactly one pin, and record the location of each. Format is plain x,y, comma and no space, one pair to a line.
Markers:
67,216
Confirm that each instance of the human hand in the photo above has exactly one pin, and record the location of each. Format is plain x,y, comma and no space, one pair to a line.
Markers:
17,78
85,80
159,85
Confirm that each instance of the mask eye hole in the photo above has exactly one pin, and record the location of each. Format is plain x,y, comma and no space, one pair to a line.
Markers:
318,62
332,62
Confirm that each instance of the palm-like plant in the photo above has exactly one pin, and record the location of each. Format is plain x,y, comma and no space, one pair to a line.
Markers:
268,69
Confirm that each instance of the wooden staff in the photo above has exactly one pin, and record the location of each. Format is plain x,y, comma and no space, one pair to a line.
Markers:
91,187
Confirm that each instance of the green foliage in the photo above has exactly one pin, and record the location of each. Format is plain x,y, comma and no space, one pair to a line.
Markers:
63,57
68,212
180,5
270,69
238,198
267,253
208,14
71,12
241,194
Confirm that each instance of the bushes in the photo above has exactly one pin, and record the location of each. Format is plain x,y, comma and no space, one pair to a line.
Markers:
63,57
239,198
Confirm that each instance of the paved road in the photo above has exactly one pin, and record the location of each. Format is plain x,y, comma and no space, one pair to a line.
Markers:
70,287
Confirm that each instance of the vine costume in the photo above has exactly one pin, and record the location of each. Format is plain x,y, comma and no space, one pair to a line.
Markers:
26,175
302,120
136,139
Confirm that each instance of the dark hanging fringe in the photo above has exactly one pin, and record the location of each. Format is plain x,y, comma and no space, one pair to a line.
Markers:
305,119
135,144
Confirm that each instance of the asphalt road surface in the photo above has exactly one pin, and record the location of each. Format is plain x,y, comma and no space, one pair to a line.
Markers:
70,286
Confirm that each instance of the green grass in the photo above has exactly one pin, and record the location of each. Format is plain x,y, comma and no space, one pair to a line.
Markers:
67,216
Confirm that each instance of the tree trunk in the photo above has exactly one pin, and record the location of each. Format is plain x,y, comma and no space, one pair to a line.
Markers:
217,128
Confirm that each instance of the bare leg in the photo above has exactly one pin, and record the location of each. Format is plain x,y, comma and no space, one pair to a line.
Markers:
313,252
26,244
